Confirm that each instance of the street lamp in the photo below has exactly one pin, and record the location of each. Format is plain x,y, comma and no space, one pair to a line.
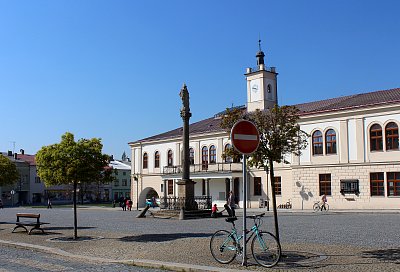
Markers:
137,192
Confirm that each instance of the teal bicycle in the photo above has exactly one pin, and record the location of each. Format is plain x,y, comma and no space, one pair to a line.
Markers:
225,245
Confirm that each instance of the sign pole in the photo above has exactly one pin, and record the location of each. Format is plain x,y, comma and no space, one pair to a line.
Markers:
244,262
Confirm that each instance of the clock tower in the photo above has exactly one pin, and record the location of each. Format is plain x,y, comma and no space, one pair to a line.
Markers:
261,85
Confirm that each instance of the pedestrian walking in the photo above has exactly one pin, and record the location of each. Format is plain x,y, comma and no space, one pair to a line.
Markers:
49,204
129,204
323,201
231,202
123,204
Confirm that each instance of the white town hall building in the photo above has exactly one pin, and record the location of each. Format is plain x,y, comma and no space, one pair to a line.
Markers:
352,155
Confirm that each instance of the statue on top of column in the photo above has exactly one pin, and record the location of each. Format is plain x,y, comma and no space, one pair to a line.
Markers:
184,94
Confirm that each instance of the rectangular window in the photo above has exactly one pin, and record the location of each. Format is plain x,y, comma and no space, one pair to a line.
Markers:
376,184
393,183
325,184
349,186
162,188
124,182
257,186
116,183
278,186
124,173
170,187
37,179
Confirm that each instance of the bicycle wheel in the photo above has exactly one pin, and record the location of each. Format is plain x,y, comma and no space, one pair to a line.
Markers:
316,207
223,247
265,249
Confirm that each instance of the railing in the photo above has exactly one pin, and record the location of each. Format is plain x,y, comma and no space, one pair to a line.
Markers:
177,203
196,168
261,67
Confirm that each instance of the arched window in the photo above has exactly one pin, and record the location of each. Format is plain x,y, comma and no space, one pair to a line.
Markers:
330,142
227,158
191,156
157,160
170,159
145,161
204,157
392,136
317,143
213,154
375,134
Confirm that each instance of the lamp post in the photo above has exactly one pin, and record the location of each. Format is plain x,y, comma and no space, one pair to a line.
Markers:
137,192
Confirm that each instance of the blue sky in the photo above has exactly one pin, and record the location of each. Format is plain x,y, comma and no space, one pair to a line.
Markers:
114,69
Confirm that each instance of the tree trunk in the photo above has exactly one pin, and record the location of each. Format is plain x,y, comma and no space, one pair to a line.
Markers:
271,174
75,214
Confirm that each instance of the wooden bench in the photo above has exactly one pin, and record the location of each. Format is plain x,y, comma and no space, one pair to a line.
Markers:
24,224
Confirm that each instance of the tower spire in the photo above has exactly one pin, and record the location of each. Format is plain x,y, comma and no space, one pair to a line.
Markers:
260,54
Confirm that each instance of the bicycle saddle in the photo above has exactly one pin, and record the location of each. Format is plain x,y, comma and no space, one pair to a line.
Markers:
231,219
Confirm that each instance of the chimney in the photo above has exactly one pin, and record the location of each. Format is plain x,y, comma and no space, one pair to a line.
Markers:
16,156
22,151
9,153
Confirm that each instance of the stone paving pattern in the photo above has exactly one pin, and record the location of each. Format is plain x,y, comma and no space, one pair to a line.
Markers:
334,241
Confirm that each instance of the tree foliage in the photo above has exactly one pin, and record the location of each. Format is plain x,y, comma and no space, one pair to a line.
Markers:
70,161
8,171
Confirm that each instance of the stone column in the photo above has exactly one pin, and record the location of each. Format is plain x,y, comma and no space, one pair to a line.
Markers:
208,187
186,185
165,193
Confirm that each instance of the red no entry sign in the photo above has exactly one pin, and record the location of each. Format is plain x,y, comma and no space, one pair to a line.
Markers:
245,137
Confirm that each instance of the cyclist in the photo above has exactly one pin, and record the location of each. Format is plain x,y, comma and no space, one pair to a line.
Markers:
323,201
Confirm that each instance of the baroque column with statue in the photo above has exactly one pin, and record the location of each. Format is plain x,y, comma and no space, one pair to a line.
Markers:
186,185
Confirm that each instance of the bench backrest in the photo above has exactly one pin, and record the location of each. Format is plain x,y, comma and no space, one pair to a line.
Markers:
28,215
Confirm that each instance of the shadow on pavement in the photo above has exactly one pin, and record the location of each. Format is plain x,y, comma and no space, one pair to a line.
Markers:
67,228
389,255
159,237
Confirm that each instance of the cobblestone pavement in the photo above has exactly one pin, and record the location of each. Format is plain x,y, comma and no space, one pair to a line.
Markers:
334,241
19,259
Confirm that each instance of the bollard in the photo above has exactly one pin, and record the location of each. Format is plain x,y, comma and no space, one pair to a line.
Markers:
182,214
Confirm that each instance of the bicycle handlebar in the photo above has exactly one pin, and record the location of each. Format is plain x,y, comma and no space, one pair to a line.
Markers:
255,216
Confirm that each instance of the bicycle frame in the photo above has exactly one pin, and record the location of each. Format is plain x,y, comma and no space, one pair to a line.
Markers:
233,234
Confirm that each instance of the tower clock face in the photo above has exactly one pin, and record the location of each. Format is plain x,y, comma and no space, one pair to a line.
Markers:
255,90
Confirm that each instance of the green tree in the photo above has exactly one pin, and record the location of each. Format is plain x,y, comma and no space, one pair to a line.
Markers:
71,162
8,171
280,135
